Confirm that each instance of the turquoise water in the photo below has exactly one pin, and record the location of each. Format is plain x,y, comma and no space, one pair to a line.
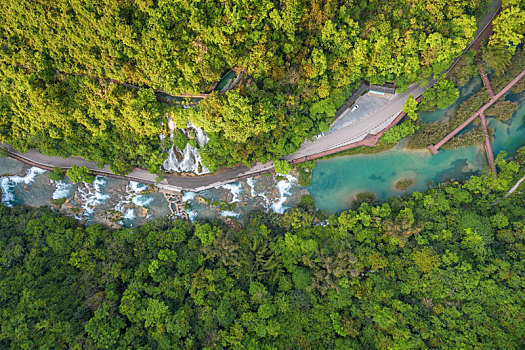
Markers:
510,135
465,93
336,181
225,81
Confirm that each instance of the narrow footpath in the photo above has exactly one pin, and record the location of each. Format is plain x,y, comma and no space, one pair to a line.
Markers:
485,79
366,132
479,113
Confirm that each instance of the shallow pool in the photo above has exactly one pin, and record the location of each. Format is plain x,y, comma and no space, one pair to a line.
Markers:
336,181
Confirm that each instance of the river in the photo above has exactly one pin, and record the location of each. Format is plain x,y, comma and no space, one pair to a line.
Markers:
336,181
127,203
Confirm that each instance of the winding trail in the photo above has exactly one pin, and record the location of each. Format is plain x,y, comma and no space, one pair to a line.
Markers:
485,79
365,132
488,146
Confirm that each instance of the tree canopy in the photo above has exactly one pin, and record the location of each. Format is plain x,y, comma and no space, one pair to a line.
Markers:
300,60
439,269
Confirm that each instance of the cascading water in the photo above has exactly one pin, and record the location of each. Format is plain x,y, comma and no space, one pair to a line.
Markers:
134,198
189,159
63,189
91,195
8,184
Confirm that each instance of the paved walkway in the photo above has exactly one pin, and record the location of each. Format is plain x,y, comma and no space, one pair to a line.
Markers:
170,183
368,104
366,132
515,187
358,131
488,146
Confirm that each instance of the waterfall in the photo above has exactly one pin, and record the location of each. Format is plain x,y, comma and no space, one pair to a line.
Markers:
191,159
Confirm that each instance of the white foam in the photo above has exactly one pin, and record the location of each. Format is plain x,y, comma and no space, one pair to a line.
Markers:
92,195
133,196
191,159
190,162
130,214
254,193
235,189
188,196
62,189
251,183
192,214
142,201
8,184
200,136
231,214
135,190
283,187
137,187
171,125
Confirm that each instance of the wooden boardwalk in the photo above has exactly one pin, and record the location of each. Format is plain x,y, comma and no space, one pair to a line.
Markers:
479,113
488,146
485,79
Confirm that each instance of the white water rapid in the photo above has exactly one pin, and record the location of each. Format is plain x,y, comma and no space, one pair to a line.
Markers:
191,159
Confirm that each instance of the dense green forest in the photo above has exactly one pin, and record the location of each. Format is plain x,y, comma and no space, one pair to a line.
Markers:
439,269
300,59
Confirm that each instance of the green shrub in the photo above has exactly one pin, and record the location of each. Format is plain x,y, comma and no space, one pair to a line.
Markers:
427,134
59,201
80,174
3,152
282,166
403,184
502,110
439,96
397,132
179,139
302,278
465,69
56,174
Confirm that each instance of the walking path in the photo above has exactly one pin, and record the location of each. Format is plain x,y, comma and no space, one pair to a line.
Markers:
488,146
366,132
485,79
479,113
515,187
175,200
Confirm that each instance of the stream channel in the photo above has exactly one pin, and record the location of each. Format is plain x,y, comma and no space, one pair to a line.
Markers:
334,184
337,181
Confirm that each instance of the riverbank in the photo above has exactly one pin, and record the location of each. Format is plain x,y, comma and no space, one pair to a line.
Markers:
337,181
117,202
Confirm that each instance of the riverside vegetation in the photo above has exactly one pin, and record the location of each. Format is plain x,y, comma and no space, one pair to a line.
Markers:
432,132
440,269
300,60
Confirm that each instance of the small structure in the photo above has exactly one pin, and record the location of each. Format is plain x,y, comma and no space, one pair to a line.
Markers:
387,88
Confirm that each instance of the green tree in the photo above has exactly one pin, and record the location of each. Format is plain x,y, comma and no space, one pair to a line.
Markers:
410,107
104,329
440,96
496,57
509,27
282,166
206,233
80,174
3,152
56,174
